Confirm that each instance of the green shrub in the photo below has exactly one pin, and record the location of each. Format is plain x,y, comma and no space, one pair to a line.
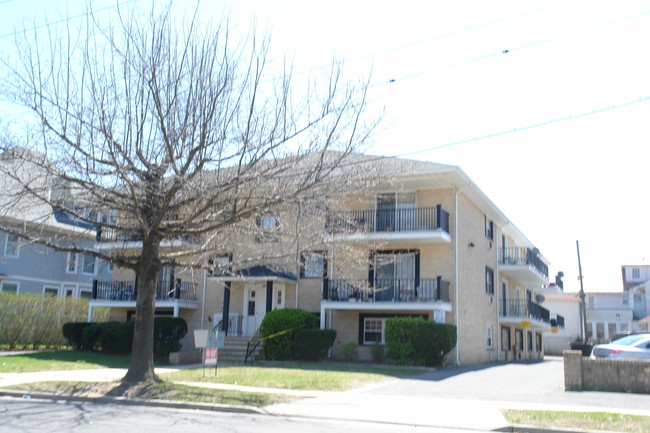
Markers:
116,337
168,332
280,347
312,344
350,351
415,341
74,333
378,353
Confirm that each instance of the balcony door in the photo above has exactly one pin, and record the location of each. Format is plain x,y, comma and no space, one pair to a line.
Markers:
395,212
394,276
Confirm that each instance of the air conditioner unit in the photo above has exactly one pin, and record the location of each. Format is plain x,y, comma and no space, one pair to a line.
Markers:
490,299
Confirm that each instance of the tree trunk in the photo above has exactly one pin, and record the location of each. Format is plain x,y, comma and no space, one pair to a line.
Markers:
141,367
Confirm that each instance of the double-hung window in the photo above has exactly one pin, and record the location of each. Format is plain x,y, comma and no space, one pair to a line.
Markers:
489,280
12,245
373,330
314,264
89,262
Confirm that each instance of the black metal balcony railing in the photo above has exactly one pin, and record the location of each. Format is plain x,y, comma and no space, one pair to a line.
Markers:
128,290
524,257
390,290
524,310
110,234
557,321
388,220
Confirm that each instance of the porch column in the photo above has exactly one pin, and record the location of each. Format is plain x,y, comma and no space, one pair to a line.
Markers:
90,313
269,296
226,307
322,316
177,309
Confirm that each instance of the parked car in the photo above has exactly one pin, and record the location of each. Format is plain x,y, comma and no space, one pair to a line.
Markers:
635,346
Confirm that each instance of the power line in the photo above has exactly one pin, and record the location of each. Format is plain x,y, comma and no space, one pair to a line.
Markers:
63,20
506,50
524,128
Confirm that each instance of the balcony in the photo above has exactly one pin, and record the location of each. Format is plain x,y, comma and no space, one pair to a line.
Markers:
393,290
524,265
127,291
528,314
391,226
110,238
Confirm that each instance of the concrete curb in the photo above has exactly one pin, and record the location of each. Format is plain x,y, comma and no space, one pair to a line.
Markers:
176,404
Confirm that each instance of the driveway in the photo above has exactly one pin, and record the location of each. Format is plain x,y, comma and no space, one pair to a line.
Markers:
512,385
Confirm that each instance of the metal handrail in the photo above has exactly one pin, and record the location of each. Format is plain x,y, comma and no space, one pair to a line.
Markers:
259,340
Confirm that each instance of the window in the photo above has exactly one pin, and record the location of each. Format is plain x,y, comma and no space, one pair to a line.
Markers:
490,339
489,280
71,266
50,291
636,273
489,228
538,341
268,224
9,286
373,330
313,264
626,300
529,338
219,265
88,264
85,293
11,245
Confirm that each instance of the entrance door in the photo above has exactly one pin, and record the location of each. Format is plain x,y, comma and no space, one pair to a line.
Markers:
254,309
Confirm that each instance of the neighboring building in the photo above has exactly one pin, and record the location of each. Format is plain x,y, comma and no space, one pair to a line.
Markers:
427,242
609,315
635,275
34,268
568,306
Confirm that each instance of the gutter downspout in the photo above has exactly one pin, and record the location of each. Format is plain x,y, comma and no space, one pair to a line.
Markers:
456,272
497,300
205,282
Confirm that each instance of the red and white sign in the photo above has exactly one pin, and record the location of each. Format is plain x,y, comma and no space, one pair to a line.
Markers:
210,357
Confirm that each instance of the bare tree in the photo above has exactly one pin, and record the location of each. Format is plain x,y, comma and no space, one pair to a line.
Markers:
179,131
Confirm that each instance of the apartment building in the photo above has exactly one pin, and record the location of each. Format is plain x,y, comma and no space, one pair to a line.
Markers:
424,241
634,275
34,268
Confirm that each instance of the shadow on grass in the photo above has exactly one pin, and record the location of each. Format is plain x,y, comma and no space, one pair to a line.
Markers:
74,356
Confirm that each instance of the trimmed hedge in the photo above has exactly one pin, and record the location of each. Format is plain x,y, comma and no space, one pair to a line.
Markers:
415,341
116,337
74,333
312,344
281,347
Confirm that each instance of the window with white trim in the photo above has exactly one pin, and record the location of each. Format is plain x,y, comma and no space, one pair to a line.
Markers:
9,286
50,291
636,273
89,262
490,338
219,265
489,280
12,245
314,264
71,264
373,330
85,293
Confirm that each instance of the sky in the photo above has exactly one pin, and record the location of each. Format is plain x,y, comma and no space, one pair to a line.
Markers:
545,105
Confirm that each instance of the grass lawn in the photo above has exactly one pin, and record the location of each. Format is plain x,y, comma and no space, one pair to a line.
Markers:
60,360
157,391
580,420
294,375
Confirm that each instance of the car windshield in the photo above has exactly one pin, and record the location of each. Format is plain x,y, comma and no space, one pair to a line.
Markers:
629,340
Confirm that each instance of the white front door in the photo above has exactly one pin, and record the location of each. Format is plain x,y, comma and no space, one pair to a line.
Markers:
254,308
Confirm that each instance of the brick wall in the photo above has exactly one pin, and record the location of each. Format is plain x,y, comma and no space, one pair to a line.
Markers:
585,374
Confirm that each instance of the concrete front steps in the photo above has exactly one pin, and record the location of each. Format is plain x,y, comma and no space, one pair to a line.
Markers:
233,353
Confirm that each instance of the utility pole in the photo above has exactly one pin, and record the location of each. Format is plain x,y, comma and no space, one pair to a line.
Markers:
583,307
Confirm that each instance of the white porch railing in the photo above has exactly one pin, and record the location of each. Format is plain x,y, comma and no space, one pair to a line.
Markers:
234,322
